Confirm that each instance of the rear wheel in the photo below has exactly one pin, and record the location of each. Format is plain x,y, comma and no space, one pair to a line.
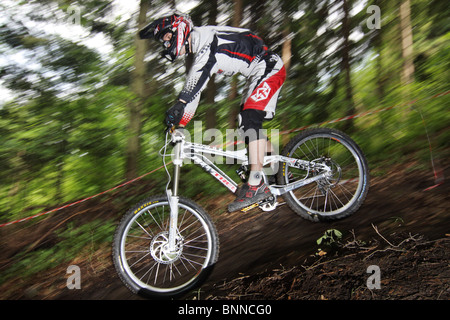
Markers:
336,196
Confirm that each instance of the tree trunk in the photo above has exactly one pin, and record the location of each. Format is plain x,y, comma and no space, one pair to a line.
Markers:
211,111
348,126
286,55
407,75
286,48
237,18
135,106
380,73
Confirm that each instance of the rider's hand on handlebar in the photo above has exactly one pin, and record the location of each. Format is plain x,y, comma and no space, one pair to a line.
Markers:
175,114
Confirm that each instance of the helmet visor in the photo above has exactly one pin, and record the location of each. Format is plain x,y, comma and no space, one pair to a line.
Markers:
166,39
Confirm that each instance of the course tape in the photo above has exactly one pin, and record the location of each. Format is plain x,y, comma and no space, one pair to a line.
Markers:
79,201
358,115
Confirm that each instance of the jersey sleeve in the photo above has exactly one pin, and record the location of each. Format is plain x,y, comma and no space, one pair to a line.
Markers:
204,66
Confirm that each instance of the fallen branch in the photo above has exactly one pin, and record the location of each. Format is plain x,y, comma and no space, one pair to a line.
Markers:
381,236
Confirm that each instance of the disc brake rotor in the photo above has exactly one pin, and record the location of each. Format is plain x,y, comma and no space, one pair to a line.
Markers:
159,248
332,178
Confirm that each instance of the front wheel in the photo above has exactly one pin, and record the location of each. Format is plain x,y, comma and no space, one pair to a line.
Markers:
335,196
140,248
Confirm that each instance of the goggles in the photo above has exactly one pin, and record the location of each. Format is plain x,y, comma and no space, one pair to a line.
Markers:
167,43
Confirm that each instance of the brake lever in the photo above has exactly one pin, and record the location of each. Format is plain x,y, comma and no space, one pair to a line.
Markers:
170,128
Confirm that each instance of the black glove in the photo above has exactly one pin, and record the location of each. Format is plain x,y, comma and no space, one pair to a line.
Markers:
175,114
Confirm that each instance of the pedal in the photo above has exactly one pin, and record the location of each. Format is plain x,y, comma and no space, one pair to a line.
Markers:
266,205
269,204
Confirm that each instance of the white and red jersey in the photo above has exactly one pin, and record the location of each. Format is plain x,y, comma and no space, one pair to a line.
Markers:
228,50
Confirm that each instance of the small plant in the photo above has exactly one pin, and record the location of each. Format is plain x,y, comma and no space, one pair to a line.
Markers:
330,239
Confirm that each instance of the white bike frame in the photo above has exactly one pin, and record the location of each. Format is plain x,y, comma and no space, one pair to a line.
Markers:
196,152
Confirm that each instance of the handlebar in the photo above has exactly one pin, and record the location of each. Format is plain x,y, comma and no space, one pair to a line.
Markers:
170,128
176,133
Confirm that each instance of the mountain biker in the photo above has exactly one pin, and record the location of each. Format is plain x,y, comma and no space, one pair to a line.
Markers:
225,50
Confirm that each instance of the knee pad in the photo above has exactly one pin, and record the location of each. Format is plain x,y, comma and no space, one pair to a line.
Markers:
250,124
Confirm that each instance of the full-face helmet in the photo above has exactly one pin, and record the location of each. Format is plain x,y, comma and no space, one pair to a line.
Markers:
180,26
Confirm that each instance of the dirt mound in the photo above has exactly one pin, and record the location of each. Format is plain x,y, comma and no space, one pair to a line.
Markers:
413,269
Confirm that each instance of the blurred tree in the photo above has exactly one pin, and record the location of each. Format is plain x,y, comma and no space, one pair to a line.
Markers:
205,13
407,43
43,122
346,67
211,109
136,105
238,8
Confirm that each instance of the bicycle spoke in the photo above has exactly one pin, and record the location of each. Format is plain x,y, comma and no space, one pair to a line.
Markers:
144,229
146,252
191,261
333,193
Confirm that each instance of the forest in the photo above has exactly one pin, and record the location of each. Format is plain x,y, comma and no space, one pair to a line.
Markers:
82,99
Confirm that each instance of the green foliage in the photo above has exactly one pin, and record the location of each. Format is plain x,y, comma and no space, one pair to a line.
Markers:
329,241
65,133
329,237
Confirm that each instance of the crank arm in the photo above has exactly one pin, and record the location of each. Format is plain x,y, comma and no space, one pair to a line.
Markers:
269,204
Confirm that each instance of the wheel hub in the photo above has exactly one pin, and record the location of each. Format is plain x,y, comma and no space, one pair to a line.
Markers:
332,177
335,174
159,248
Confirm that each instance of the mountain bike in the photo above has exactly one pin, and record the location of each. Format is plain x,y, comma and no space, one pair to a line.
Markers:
167,245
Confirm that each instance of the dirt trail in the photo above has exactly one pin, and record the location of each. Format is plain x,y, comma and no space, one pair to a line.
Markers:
280,241
255,244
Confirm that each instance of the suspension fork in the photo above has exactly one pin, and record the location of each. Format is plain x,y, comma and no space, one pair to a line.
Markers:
173,197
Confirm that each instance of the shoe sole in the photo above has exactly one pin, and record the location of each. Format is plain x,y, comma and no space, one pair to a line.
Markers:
250,206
